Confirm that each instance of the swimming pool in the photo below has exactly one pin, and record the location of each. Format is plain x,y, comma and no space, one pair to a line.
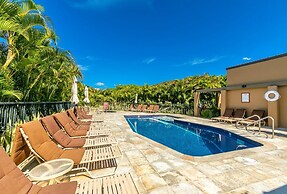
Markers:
188,138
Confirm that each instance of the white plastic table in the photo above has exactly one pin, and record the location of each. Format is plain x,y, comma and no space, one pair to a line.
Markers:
51,170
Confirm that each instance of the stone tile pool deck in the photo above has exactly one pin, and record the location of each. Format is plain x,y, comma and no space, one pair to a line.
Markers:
158,169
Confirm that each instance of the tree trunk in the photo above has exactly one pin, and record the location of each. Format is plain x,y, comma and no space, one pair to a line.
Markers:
10,55
9,59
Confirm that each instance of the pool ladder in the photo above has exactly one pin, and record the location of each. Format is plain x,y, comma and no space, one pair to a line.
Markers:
259,121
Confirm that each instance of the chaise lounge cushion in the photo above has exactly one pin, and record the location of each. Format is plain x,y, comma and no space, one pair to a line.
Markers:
74,154
259,113
69,126
45,147
76,120
228,113
20,150
239,113
56,132
13,181
80,113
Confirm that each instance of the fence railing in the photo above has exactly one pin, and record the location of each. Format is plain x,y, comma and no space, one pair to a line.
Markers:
12,113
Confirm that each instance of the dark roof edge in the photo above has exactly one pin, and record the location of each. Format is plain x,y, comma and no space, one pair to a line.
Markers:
245,86
210,90
258,61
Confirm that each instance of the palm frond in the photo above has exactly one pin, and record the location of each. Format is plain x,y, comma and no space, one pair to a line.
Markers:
32,20
7,23
11,93
28,6
9,8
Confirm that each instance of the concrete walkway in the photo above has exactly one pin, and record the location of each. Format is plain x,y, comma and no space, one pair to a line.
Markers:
158,169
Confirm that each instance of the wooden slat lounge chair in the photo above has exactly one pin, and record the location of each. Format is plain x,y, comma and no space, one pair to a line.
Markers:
93,124
72,129
71,113
66,141
155,108
144,108
64,116
88,124
81,114
45,149
139,108
116,184
238,115
13,180
132,108
150,108
69,125
106,106
228,113
255,116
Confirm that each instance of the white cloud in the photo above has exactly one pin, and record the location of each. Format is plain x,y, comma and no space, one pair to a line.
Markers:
90,58
246,58
100,84
83,68
88,4
148,60
198,61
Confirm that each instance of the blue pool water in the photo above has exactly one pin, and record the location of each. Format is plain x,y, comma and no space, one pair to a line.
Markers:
188,138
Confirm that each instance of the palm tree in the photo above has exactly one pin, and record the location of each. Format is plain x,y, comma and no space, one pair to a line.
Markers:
45,68
16,20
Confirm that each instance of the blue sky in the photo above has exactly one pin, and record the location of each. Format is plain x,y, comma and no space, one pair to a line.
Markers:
151,41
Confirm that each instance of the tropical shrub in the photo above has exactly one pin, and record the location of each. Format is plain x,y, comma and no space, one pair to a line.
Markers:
177,93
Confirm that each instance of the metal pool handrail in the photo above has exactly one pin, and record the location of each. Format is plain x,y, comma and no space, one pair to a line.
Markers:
244,119
259,124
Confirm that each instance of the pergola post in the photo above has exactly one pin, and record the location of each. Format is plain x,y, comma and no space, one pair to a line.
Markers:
223,103
218,99
196,103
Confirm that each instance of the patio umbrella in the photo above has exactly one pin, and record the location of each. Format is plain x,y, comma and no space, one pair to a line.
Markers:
74,97
136,99
86,92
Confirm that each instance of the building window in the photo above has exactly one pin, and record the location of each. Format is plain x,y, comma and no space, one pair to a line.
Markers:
245,97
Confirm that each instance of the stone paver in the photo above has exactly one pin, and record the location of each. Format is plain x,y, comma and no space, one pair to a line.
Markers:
152,181
186,188
158,169
144,169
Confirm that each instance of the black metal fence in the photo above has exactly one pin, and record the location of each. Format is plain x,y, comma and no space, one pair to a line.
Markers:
164,108
12,113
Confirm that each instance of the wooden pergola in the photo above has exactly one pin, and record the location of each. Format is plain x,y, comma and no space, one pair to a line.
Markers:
197,93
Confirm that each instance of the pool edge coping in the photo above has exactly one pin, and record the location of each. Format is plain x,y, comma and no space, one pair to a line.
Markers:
266,146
